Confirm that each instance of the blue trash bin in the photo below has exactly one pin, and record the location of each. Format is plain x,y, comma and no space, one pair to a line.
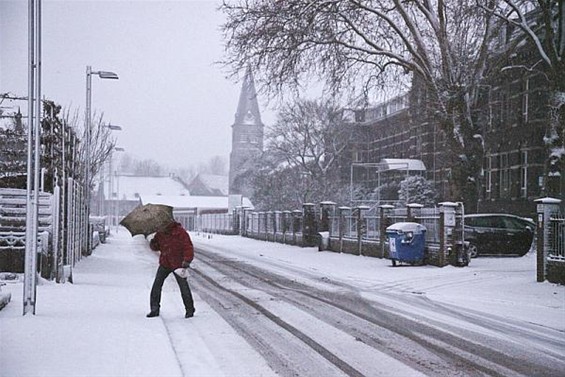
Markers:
406,242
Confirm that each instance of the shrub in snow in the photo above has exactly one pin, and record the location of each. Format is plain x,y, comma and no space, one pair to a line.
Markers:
417,189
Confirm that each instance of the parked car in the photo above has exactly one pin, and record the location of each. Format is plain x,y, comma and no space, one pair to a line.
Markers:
498,233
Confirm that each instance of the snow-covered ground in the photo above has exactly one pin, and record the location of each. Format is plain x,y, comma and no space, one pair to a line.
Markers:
97,326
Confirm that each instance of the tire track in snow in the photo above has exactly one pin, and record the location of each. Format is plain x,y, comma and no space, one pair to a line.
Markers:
310,342
499,363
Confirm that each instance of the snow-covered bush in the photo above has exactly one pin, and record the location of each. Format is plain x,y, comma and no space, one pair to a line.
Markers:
417,189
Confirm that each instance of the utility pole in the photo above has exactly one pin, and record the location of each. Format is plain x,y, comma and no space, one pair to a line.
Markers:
33,150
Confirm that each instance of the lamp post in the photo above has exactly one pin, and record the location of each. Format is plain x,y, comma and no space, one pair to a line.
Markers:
111,190
88,126
33,150
102,210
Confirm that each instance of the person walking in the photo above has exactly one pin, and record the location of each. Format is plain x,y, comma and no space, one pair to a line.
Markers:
177,251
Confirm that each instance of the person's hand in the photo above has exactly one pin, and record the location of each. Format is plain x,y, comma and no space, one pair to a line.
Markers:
185,264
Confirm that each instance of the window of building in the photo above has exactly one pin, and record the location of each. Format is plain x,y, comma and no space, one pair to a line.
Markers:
503,106
504,175
488,178
494,109
524,174
525,98
356,156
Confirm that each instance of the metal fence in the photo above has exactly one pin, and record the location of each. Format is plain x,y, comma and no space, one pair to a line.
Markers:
556,239
370,223
216,222
359,230
429,217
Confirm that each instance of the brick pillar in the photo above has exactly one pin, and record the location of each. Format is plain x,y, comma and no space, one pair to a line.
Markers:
244,220
413,211
268,225
447,225
309,225
545,207
236,220
342,212
361,227
277,224
296,214
326,210
286,223
385,212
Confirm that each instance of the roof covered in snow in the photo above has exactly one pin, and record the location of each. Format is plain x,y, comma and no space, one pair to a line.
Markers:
209,185
184,202
134,187
403,164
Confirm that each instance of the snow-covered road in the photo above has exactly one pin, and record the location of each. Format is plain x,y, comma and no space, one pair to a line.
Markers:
266,309
309,325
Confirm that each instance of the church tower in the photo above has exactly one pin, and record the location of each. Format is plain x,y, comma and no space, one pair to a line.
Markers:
247,138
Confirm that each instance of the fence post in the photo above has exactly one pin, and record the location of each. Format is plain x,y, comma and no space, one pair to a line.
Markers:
286,222
447,224
326,208
295,224
361,227
268,216
413,211
309,225
545,208
341,213
385,210
236,220
244,221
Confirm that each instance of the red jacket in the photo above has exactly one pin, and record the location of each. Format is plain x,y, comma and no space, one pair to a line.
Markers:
175,246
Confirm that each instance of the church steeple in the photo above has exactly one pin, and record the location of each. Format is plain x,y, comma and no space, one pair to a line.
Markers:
248,108
247,137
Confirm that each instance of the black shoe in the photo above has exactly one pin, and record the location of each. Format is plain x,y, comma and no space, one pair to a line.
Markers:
152,314
189,314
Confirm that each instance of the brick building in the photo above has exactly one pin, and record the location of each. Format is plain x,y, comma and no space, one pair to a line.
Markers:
512,115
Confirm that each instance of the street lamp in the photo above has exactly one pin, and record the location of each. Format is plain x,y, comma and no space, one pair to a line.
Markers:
88,122
114,203
101,201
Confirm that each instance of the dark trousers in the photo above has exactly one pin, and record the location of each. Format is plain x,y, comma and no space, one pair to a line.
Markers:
155,298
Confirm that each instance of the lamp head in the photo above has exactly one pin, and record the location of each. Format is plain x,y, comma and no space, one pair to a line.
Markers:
107,75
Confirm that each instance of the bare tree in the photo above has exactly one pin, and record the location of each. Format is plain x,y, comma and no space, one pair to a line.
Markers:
101,144
444,45
543,23
309,135
216,165
304,149
149,168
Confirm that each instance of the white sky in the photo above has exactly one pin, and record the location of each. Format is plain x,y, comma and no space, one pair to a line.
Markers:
174,104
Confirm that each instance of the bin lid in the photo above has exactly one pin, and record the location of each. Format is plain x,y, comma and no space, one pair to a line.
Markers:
406,227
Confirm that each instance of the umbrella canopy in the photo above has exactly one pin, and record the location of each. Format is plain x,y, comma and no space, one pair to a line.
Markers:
148,218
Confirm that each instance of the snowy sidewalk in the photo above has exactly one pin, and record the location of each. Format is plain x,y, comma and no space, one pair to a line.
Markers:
97,326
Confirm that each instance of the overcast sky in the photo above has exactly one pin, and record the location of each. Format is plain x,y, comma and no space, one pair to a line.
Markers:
174,104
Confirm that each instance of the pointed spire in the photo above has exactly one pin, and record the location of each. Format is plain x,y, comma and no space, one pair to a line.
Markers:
19,127
248,108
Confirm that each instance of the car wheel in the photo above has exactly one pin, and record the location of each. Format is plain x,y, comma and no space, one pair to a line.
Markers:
393,262
473,250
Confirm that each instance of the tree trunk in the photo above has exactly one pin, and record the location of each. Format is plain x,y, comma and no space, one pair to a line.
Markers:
464,151
555,140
